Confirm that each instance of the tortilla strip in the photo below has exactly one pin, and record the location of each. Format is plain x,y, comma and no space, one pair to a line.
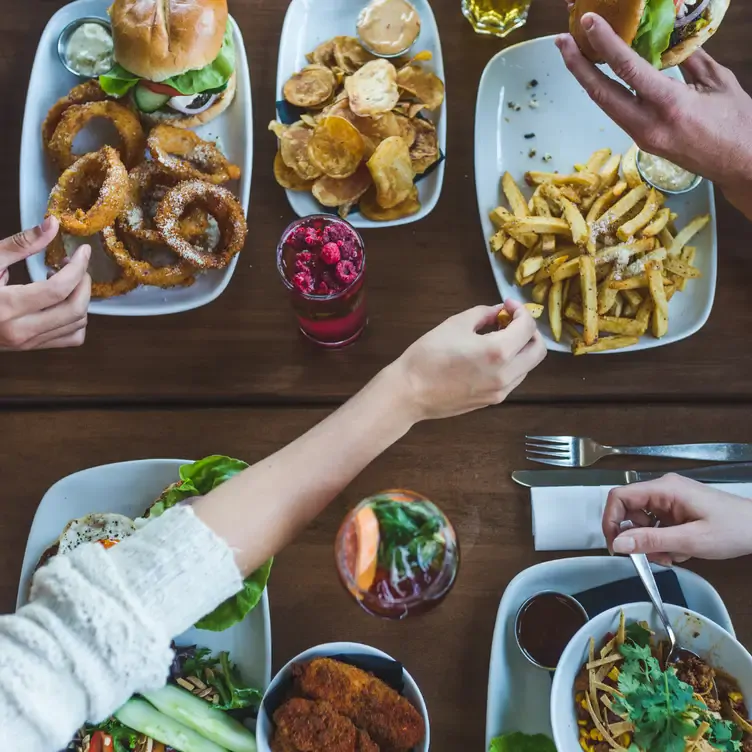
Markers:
606,736
604,661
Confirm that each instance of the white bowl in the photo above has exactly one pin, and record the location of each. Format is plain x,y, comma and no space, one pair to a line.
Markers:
694,631
265,727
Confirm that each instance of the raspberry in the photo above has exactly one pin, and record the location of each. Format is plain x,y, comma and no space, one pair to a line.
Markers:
336,232
304,256
330,254
303,281
346,272
297,238
322,288
313,239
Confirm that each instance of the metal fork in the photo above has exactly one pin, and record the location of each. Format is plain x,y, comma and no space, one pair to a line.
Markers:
574,451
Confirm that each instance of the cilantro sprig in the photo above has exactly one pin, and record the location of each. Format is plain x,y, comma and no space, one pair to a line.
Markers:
662,708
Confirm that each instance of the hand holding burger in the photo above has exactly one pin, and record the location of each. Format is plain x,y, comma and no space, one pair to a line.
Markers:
703,125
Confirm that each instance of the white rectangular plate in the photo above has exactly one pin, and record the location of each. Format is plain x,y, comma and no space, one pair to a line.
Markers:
50,81
518,693
568,126
308,23
129,488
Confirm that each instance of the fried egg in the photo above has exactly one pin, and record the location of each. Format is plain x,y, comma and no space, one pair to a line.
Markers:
106,528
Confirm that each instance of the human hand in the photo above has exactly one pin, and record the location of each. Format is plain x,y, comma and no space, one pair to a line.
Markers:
696,520
453,369
704,125
45,314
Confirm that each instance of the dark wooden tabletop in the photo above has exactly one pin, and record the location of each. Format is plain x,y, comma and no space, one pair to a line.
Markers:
235,377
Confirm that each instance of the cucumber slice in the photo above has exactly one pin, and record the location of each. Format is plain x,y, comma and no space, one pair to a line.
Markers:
148,100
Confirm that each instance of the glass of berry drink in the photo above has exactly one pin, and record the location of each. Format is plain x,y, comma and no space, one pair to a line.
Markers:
322,262
397,554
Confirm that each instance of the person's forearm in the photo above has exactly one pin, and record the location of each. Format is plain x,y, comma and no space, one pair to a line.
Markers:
259,511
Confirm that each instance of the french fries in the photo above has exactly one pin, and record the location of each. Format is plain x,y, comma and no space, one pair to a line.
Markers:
598,248
504,318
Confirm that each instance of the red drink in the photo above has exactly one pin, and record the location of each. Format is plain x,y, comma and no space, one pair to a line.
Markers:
322,262
397,554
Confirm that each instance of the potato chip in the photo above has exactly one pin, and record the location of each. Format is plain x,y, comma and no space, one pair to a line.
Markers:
336,147
425,150
350,54
342,191
379,127
287,177
373,89
313,86
293,146
277,128
370,208
309,120
407,130
323,54
392,172
424,85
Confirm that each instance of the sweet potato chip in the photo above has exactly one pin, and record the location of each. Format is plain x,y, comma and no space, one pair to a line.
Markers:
336,147
425,150
323,54
392,172
342,191
407,129
372,90
287,177
350,55
424,85
369,207
293,146
313,86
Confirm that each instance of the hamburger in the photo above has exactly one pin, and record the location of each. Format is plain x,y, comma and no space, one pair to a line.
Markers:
174,58
664,32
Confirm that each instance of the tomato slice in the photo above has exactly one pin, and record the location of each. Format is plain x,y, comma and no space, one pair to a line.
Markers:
100,742
161,88
678,5
108,543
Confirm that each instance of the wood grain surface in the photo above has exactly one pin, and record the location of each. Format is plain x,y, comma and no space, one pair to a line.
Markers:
245,347
463,464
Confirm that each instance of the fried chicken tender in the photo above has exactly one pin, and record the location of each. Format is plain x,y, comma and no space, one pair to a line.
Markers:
390,720
309,726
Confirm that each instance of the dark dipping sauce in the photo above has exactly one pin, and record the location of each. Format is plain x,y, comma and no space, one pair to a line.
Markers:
545,624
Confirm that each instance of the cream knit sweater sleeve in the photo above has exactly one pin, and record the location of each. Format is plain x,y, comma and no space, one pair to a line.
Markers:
99,625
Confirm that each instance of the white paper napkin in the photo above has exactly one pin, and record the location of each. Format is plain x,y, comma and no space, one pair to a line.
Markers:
569,518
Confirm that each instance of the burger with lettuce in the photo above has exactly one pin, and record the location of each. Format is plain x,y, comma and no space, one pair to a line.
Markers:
175,59
664,32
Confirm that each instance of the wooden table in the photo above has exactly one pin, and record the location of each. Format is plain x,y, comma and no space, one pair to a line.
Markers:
235,377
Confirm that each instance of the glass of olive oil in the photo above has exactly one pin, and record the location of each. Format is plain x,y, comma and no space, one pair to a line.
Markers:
497,17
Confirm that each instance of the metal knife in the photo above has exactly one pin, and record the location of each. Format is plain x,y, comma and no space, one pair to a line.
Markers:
735,473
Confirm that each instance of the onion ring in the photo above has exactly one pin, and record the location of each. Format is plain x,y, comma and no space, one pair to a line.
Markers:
89,91
55,257
147,185
102,170
145,273
188,157
75,117
220,204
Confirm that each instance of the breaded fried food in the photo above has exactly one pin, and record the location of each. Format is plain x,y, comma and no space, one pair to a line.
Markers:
314,726
390,720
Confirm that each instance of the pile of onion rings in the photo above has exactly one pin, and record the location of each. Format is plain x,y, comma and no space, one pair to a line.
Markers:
89,91
75,117
183,154
101,170
217,201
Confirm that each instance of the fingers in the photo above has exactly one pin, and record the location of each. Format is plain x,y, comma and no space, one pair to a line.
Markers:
71,335
504,345
621,106
27,243
681,539
479,317
529,358
702,70
40,295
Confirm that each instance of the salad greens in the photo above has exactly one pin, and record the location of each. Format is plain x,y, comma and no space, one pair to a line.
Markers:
519,742
197,479
663,708
410,536
655,30
211,78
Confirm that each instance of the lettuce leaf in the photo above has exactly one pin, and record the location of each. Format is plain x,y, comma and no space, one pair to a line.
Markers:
655,30
197,479
518,742
120,81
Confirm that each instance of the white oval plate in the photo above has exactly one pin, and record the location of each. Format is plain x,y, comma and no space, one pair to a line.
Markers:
308,23
568,126
518,693
129,488
49,81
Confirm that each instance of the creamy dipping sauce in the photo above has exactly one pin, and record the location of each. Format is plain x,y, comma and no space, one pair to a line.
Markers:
664,174
388,27
90,49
